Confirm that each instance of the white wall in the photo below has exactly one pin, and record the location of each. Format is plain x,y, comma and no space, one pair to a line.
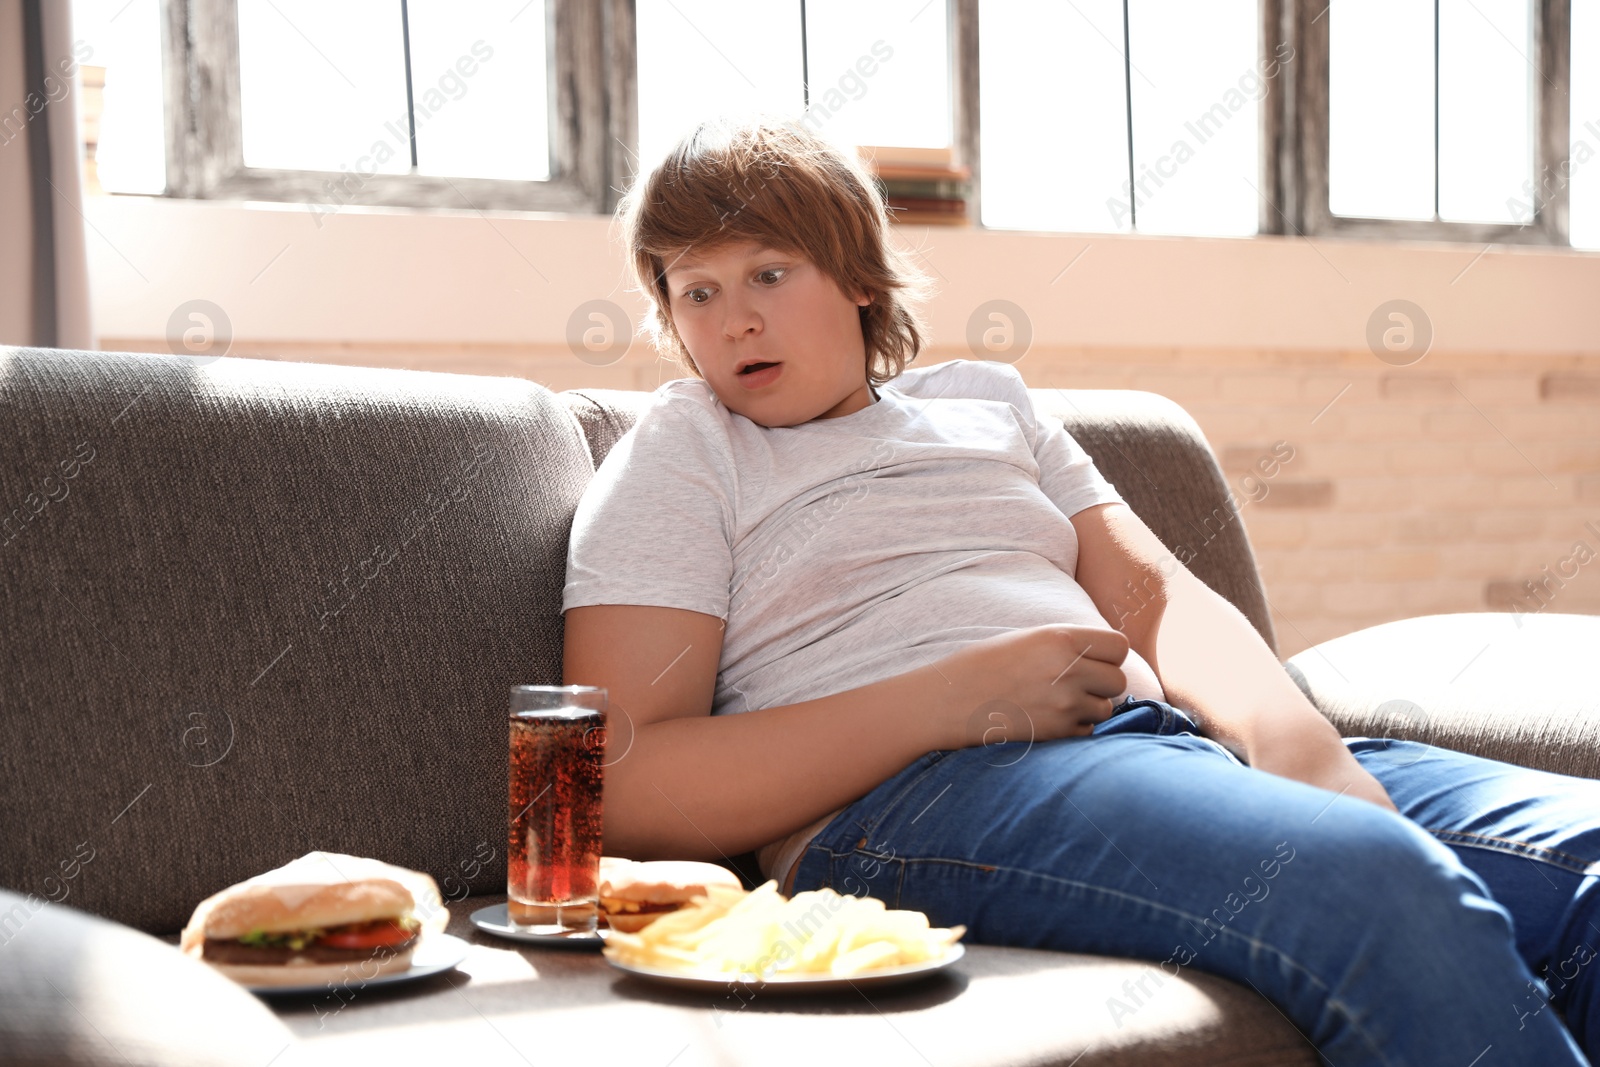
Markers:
398,276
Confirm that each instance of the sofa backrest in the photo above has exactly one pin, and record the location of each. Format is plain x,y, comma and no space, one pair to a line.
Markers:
1144,443
256,608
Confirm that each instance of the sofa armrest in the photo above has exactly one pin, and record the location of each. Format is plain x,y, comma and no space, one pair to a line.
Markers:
1516,688
76,989
1156,456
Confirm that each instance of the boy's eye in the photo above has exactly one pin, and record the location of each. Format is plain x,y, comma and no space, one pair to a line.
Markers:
770,276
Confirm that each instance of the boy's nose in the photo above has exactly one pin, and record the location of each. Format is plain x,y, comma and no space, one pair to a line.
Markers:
740,319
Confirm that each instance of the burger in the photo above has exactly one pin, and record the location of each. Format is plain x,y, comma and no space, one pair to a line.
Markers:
633,894
323,917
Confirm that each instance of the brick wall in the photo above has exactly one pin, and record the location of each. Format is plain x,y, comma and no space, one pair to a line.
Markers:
1463,482
1460,483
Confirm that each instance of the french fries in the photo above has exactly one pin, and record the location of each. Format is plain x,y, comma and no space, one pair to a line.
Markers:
819,932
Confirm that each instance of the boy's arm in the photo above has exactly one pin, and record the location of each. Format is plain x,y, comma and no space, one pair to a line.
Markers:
1209,658
681,783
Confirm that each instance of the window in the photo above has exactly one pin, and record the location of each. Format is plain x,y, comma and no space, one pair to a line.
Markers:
876,76
124,132
1582,176
1467,120
457,92
698,56
1431,119
496,104
860,74
879,73
1122,115
1436,119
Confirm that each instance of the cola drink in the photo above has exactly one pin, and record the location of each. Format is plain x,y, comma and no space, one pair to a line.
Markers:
556,767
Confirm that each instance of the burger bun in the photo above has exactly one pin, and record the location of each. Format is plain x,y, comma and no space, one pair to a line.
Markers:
349,973
635,894
317,891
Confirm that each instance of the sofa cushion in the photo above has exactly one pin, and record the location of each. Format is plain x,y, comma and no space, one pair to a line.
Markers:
75,989
1516,688
254,608
1145,444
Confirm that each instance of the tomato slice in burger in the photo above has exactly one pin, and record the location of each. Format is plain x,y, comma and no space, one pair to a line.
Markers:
376,934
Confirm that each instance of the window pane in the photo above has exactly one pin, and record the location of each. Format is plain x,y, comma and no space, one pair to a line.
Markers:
880,72
1197,80
1380,108
702,58
479,82
323,85
1053,121
1486,107
1584,164
125,39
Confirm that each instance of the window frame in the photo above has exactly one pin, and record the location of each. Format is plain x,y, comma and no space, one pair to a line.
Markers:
594,126
1295,138
592,120
962,20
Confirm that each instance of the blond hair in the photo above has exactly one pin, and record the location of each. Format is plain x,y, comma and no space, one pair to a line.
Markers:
778,183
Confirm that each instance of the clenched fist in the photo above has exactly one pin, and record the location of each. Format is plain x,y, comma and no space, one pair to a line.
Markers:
1038,683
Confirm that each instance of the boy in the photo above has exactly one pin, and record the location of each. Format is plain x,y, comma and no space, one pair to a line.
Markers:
820,588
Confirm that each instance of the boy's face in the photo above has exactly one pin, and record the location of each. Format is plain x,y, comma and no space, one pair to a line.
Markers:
744,304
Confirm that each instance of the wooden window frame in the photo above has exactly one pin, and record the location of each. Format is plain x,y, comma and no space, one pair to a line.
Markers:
1294,140
962,21
592,120
594,125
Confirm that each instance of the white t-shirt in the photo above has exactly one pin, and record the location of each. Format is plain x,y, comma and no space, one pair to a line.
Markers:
847,550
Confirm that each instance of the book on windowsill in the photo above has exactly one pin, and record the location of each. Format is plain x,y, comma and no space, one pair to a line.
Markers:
920,186
938,207
906,156
901,217
921,174
948,189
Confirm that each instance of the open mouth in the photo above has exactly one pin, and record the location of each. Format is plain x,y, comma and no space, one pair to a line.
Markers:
753,367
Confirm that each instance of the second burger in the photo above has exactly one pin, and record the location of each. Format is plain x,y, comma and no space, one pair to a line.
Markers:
634,894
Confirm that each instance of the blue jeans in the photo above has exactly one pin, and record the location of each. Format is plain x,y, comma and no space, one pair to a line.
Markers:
1462,931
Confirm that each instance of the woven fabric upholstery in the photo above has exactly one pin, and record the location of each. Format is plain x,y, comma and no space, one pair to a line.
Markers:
605,415
278,608
1145,444
75,989
179,700
1514,688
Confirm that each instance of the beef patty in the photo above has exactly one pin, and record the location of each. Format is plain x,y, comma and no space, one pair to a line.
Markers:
229,951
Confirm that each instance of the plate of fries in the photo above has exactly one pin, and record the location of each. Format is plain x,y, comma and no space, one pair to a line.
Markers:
816,940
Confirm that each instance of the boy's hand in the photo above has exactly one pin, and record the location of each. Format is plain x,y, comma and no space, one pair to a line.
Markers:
1038,683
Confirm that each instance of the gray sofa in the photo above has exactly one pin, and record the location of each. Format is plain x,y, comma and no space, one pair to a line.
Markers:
255,608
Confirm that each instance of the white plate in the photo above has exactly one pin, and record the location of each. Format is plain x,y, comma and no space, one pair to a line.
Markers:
434,954
497,921
794,983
